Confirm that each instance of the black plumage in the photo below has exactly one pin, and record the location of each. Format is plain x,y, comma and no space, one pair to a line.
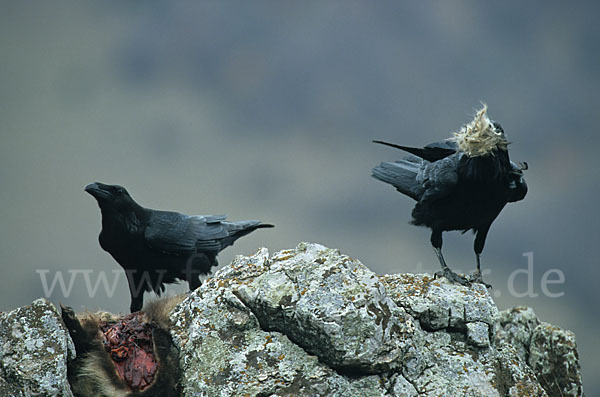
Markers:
159,247
460,184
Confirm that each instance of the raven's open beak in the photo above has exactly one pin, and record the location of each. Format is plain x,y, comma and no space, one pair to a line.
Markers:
98,190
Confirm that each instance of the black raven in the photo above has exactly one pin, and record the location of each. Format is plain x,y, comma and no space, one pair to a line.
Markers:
159,247
461,184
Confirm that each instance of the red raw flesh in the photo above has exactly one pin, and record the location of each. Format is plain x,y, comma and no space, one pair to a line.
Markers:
129,343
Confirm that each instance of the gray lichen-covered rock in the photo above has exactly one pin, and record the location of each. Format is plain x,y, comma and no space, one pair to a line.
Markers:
34,346
550,351
314,322
331,306
226,351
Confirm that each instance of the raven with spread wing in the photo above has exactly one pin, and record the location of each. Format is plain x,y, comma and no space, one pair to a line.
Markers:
159,247
459,184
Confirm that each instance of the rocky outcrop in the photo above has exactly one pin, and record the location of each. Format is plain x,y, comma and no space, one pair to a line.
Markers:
34,347
313,322
550,351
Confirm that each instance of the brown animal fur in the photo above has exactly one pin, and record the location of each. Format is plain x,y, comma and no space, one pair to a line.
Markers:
92,372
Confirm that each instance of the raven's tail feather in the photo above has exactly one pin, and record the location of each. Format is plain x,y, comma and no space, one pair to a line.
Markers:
240,229
405,148
264,226
420,152
433,152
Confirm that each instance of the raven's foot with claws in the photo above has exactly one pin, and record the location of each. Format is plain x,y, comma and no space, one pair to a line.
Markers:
453,277
476,278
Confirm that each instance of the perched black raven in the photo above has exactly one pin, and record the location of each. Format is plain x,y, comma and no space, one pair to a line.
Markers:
459,184
159,247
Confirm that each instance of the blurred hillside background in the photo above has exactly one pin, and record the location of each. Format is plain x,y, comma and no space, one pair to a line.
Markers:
266,110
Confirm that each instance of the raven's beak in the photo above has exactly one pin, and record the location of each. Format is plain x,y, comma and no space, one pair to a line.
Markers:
98,190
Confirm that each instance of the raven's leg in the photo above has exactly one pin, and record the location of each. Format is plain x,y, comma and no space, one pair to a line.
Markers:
204,268
197,264
194,282
478,246
136,292
436,242
136,303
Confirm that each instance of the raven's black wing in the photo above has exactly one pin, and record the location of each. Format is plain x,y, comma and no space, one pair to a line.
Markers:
439,178
420,179
432,152
402,175
180,234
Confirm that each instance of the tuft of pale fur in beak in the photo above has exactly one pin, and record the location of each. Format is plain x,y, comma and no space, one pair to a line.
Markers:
480,137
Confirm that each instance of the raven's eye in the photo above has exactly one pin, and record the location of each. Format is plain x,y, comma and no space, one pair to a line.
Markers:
497,128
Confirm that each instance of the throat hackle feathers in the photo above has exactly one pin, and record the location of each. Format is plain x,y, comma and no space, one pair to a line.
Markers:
480,137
